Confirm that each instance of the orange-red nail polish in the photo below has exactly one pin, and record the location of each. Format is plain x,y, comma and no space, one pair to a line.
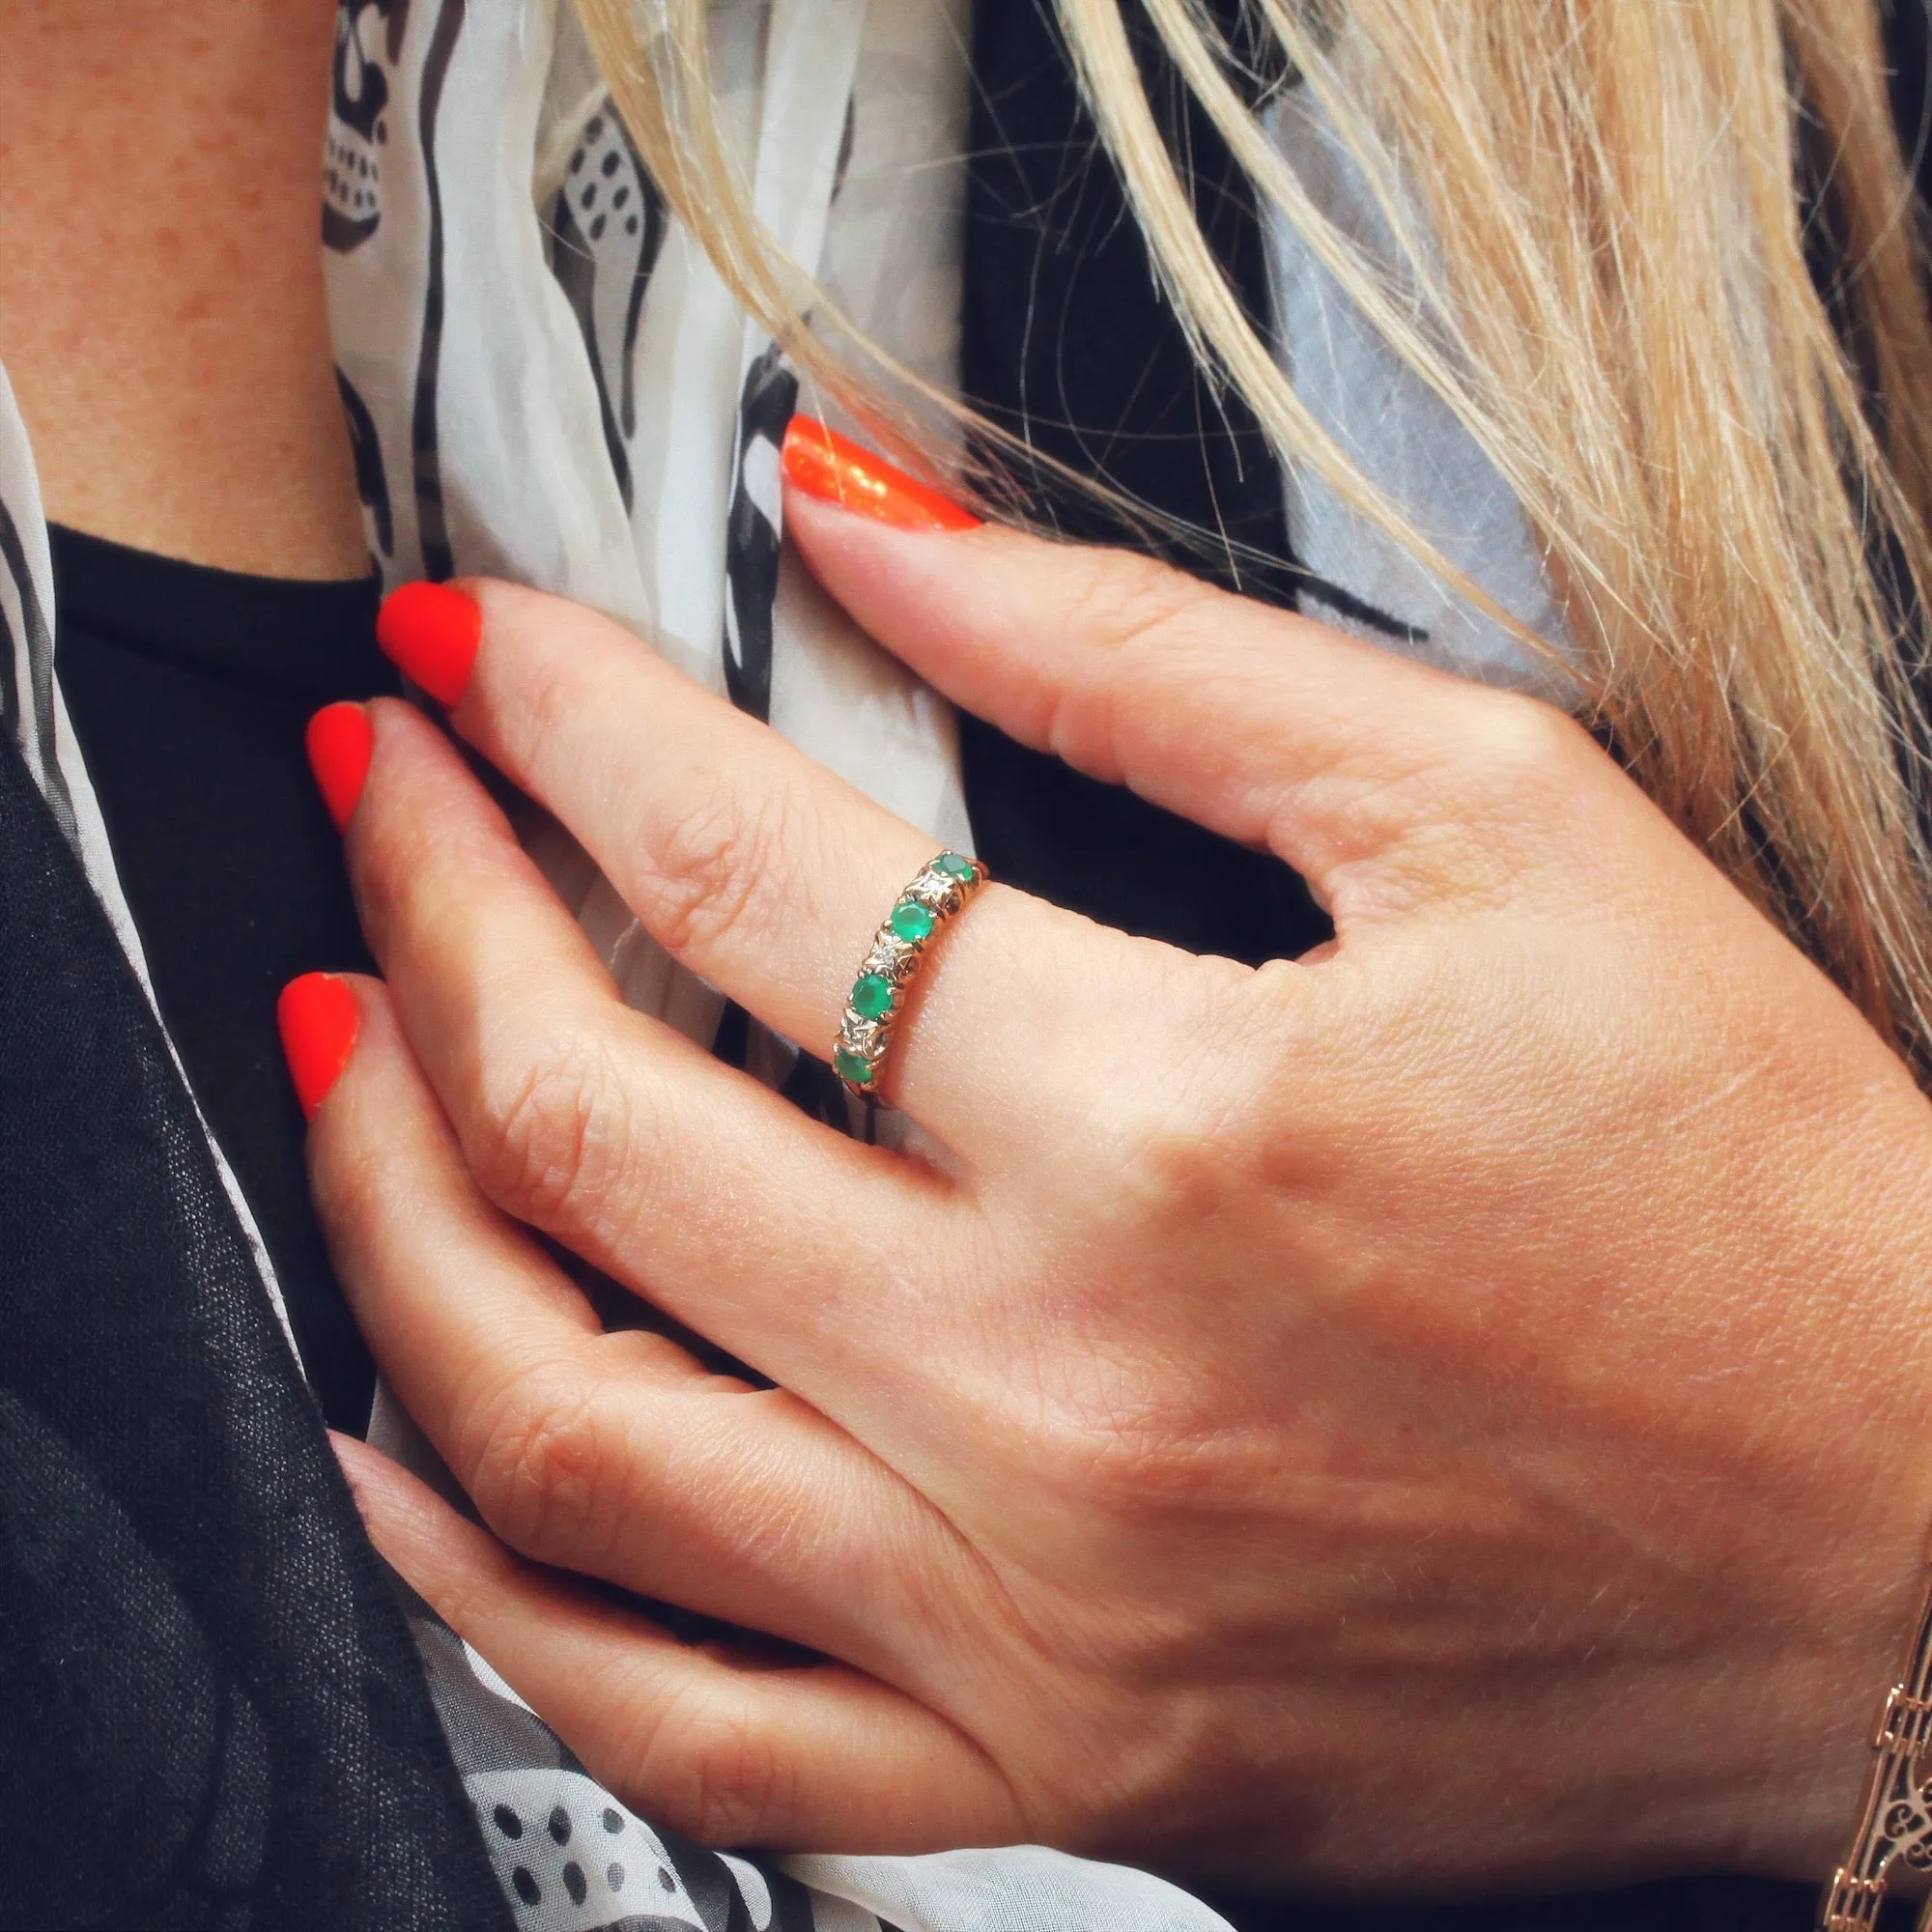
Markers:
319,1020
835,470
430,631
339,741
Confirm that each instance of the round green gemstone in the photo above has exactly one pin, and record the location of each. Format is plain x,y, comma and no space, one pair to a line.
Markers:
852,1066
911,920
954,866
873,996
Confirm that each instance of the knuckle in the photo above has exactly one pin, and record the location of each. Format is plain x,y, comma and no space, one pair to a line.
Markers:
1139,617
563,652
1125,600
1508,799
553,1133
735,1784
1176,1159
1524,750
1128,1460
706,873
349,1180
539,1463
738,1780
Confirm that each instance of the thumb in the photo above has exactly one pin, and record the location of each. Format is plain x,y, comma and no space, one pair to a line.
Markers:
1380,779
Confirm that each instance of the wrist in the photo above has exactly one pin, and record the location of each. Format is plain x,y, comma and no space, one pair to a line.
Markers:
1858,1582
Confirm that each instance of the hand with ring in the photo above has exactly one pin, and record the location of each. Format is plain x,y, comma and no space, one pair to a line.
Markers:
1449,1411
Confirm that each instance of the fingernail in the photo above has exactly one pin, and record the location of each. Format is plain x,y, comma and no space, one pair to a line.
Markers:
430,631
835,470
339,742
319,1020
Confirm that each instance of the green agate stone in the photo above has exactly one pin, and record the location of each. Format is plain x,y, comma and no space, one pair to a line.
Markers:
852,1066
911,920
873,996
954,866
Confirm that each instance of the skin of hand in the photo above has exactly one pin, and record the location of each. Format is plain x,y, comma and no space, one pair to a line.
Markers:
1448,1414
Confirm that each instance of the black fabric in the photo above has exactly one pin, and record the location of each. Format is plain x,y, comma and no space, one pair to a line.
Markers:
1908,33
1680,1905
210,1711
188,689
1067,342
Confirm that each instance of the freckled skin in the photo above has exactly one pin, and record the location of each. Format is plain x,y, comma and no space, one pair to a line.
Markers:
161,311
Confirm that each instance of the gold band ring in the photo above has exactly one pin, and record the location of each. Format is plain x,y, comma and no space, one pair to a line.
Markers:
936,894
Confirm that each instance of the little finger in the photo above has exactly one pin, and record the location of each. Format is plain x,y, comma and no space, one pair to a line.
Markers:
779,1757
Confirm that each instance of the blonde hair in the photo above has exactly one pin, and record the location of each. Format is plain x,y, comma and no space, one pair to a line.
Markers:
1601,269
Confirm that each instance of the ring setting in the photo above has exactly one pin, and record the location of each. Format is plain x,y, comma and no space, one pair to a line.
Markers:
938,892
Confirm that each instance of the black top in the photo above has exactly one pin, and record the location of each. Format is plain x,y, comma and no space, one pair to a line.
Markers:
188,689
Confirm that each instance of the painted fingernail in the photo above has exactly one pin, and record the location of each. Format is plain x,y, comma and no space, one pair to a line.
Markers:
835,470
319,1020
339,742
430,631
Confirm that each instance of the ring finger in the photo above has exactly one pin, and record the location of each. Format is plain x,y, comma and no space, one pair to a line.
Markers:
767,876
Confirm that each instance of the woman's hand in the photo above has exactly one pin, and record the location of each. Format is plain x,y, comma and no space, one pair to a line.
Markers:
1456,1411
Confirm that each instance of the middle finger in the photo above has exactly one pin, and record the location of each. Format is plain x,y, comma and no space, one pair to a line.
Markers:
799,1250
